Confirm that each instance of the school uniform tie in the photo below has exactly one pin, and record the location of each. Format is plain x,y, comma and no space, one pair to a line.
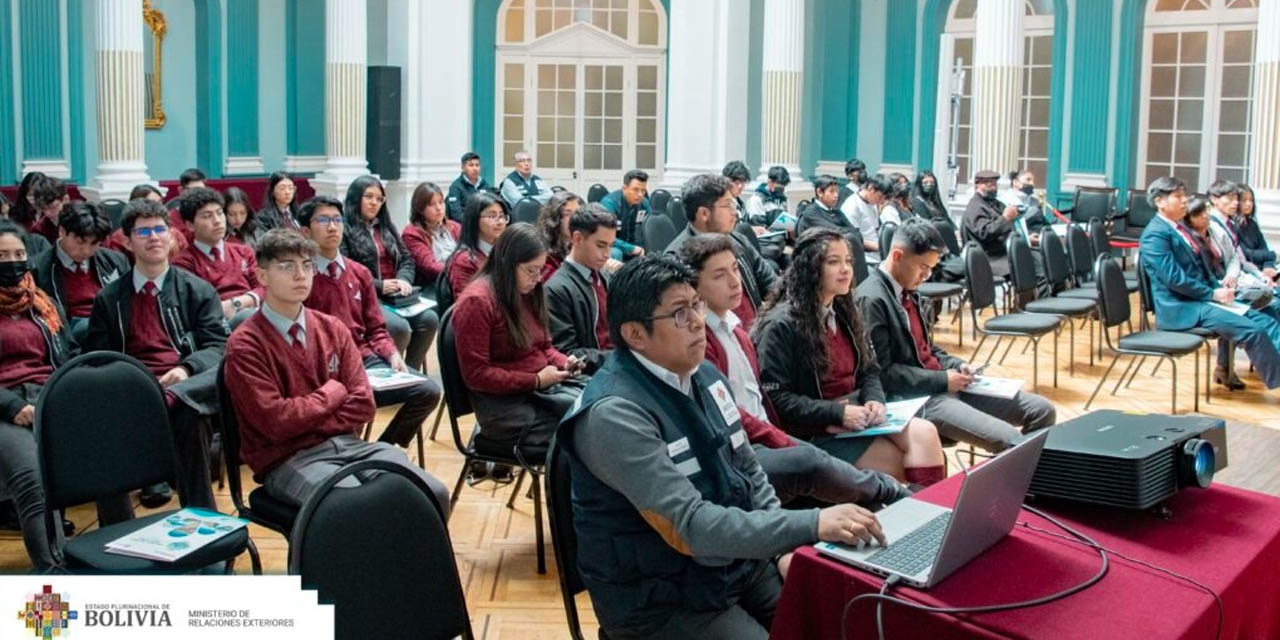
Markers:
602,311
298,337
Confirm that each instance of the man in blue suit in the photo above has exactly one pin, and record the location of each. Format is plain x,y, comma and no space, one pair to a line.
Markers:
1183,291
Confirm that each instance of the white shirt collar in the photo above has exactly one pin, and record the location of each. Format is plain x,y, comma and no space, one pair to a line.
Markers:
725,325
140,280
897,288
322,264
66,260
282,324
683,384
207,250
485,247
829,317
474,184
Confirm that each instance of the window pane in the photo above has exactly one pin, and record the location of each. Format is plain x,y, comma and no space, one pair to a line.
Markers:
613,130
564,129
593,104
600,19
1155,171
1189,174
1043,50
965,9
546,153
592,130
613,78
1190,114
595,77
542,23
564,102
1163,81
646,105
648,28
1187,148
1040,81
513,102
613,105
1164,48
1235,81
1037,143
1233,116
1191,82
1234,175
514,24
513,127
619,25
1193,46
546,102
646,156
509,149
647,78
613,156
1160,114
591,156
1237,46
567,73
546,76
564,156
546,130
1232,150
513,75
646,130
1159,147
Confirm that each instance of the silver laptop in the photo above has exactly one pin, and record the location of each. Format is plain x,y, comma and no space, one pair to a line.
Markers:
926,542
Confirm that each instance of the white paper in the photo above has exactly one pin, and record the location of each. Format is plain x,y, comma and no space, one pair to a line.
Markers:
1237,308
995,387
408,312
176,535
382,378
896,416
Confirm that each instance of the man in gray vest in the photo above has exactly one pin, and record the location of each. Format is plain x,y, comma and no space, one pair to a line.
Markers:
523,183
679,533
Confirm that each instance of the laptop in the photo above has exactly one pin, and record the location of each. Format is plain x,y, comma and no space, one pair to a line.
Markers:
928,542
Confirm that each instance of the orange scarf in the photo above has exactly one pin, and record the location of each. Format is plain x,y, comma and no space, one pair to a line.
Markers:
18,300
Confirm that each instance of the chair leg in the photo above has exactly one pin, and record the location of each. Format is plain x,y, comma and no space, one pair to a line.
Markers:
974,356
1101,381
1056,333
1129,367
1157,367
368,430
457,487
254,560
1135,366
1208,370
1035,363
516,491
537,522
439,414
994,349
422,457
1071,347
1008,349
1091,331
1195,382
1173,388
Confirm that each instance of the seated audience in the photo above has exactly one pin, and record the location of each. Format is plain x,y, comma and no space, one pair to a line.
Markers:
631,205
117,240
48,195
344,289
1224,229
373,240
553,224
577,294
1252,241
301,392
710,208
855,171
897,205
1032,217
794,467
187,180
172,322
23,212
769,200
229,267
522,183
1182,288
912,366
430,237
926,200
482,224
822,212
989,222
819,370
243,226
78,266
280,207
467,184
680,536
738,174
862,209
519,383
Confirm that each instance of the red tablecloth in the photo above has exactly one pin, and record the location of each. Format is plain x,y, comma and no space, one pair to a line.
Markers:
1225,538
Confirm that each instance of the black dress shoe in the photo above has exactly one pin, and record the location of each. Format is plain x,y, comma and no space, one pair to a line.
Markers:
1228,379
156,495
68,528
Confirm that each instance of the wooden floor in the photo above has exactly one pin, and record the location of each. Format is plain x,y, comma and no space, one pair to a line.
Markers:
495,545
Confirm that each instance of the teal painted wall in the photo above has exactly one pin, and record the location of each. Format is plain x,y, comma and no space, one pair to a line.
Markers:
273,94
1091,87
8,154
873,47
1058,87
899,82
1128,77
932,21
817,74
209,149
242,77
40,53
832,106
755,71
88,101
76,52
172,149
305,78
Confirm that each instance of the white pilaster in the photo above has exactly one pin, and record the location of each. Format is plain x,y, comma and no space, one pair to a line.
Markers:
783,89
435,123
1264,169
997,85
706,121
346,56
118,60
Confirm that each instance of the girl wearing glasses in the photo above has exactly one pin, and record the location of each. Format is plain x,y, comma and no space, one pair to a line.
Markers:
817,367
521,385
484,218
371,239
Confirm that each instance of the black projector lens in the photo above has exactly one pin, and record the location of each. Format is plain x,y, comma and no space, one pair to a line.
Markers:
1196,463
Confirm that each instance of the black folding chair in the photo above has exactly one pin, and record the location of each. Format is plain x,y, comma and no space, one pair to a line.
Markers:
1102,244
112,208
675,214
380,553
261,508
1113,309
982,294
660,199
117,442
1092,202
1129,227
886,237
657,232
1146,321
564,540
526,210
458,401
1022,275
597,192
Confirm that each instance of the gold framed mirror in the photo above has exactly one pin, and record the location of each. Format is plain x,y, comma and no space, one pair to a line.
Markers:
154,117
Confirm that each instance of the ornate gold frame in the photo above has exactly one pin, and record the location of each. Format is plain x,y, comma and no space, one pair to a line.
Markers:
155,22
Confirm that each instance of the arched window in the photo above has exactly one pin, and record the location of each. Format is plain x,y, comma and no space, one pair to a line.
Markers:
1037,59
1197,90
581,84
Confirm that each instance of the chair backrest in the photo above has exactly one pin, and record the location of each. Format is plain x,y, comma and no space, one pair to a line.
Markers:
229,427
660,199
1022,267
444,286
380,553
1146,303
886,238
564,539
978,278
1113,297
1080,252
1093,202
744,229
675,214
102,429
949,235
597,192
1099,240
113,209
1057,266
1140,211
456,398
803,204
658,232
526,210
859,254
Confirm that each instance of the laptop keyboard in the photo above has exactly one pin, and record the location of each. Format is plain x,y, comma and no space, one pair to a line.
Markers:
916,550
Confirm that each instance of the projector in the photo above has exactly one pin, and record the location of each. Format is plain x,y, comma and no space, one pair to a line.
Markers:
1129,460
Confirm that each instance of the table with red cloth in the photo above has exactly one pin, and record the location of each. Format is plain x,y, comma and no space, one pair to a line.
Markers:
1227,539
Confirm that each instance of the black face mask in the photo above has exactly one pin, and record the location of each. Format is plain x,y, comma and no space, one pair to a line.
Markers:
990,195
1028,189
11,273
927,188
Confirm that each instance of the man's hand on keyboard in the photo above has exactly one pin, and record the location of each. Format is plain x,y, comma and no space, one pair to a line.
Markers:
849,524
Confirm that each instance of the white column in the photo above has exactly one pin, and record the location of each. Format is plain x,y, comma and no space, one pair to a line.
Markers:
345,78
706,121
1264,169
783,89
997,85
119,100
435,112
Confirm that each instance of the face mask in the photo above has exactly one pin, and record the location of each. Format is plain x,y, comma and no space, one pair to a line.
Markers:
990,194
1028,188
927,188
11,273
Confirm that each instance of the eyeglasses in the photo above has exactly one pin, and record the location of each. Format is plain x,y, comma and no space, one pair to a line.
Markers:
375,198
684,316
147,232
291,268
327,220
494,216
533,273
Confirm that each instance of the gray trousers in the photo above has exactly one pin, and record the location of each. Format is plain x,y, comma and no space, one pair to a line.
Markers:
748,619
806,470
413,335
988,422
296,478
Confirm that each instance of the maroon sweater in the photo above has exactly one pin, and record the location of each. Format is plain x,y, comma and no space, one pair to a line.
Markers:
490,361
234,275
79,289
288,401
418,242
466,264
24,356
352,300
146,338
758,431
842,366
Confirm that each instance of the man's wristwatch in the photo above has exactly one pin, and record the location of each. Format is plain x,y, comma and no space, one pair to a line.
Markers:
236,304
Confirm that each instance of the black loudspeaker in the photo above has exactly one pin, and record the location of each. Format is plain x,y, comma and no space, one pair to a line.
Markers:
382,141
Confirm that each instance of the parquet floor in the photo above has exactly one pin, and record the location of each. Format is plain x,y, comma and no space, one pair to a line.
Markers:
495,545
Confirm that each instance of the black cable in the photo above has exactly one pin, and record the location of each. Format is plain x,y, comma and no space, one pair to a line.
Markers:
884,588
